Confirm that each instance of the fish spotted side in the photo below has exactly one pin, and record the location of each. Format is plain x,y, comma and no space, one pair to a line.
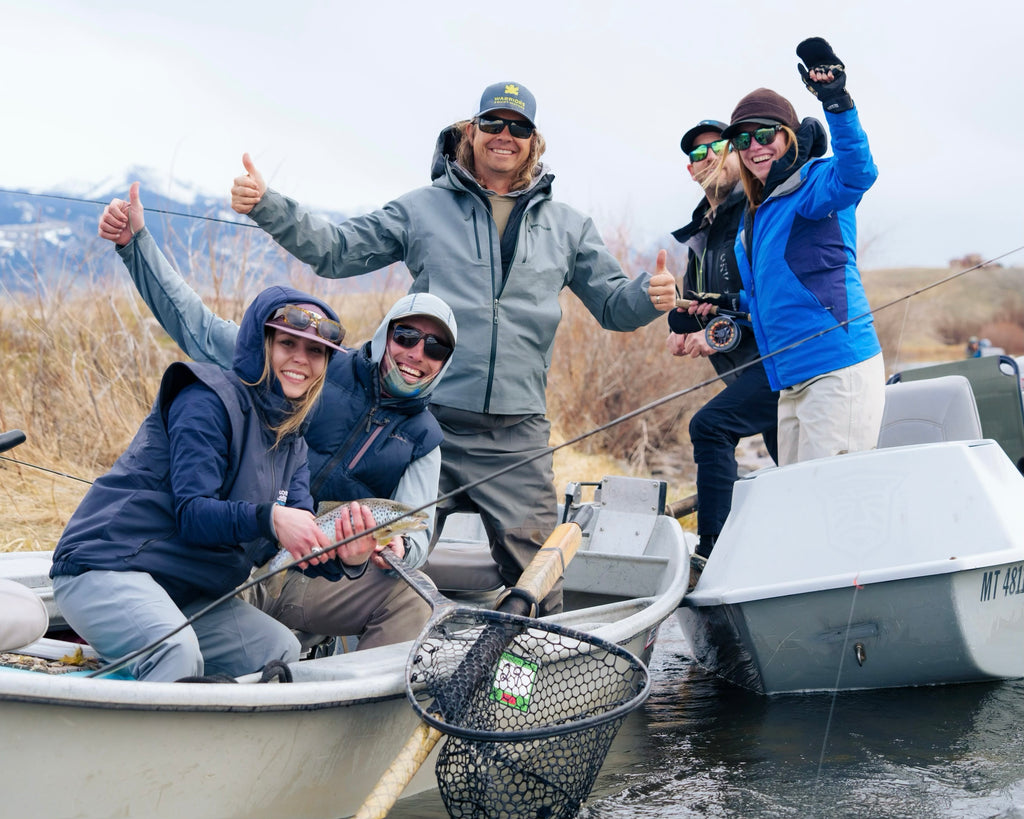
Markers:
394,519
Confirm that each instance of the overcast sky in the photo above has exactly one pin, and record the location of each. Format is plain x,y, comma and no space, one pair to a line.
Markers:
340,102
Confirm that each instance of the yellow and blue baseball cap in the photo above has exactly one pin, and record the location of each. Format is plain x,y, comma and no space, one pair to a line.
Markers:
508,96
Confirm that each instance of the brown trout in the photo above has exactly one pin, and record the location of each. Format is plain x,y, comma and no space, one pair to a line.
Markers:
395,516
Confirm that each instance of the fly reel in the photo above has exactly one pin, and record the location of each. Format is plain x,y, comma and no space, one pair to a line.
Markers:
722,334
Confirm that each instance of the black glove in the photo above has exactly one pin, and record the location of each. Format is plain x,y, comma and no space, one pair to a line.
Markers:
818,54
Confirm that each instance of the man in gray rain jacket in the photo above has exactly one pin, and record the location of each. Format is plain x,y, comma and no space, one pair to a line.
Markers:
488,238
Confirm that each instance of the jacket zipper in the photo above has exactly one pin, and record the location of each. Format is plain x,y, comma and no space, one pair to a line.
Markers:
321,477
369,441
494,321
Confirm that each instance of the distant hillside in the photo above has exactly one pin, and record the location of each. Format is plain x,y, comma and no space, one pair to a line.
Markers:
948,308
48,238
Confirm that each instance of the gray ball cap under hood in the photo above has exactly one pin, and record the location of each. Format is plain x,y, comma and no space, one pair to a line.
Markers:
417,304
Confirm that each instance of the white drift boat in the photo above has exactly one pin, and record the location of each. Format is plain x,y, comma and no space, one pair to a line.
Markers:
311,748
900,566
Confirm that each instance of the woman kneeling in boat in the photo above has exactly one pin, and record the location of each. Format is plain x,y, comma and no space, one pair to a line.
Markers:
215,479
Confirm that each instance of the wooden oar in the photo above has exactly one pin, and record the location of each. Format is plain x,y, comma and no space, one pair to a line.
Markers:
536,581
681,508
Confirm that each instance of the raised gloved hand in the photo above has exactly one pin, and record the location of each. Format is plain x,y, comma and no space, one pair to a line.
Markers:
820,59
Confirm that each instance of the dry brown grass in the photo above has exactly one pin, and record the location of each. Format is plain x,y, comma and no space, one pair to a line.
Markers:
81,367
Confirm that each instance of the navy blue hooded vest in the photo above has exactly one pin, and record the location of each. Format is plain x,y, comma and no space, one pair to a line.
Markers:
126,522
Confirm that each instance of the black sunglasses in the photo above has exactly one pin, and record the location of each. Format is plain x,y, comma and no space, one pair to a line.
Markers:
495,125
433,347
700,152
762,136
300,319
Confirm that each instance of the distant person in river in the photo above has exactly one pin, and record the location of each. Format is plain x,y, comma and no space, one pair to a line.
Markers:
797,255
369,436
215,480
488,238
748,405
973,347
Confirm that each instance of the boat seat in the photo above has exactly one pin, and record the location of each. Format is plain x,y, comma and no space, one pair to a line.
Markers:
460,563
23,617
929,411
995,382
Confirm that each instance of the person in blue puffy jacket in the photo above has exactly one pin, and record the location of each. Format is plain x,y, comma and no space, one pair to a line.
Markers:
797,254
215,481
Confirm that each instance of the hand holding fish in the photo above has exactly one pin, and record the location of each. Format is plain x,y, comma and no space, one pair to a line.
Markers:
248,190
298,534
121,220
358,519
337,521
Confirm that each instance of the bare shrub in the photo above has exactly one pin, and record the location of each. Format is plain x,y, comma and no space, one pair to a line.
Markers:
1005,334
597,376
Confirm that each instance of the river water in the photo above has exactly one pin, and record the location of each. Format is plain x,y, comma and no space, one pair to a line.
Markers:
701,747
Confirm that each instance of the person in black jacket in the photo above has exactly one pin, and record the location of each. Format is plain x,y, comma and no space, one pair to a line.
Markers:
747,406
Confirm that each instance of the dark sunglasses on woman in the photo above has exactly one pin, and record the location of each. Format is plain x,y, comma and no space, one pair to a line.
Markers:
433,347
762,136
495,125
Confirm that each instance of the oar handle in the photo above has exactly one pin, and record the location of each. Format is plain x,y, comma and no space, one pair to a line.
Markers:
544,570
11,439
682,508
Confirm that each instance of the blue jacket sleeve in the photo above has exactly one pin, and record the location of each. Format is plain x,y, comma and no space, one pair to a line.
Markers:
199,432
202,335
841,181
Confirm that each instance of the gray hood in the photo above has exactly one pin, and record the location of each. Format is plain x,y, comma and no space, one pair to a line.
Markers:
416,304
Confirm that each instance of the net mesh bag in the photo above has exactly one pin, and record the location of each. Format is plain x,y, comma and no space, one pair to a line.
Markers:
530,709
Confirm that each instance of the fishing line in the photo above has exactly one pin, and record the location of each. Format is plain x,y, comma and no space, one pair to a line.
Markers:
835,689
527,460
248,224
45,469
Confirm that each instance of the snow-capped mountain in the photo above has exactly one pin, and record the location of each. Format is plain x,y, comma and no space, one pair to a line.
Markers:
50,236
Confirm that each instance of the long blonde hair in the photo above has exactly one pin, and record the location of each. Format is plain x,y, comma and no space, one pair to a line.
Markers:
464,154
302,406
754,187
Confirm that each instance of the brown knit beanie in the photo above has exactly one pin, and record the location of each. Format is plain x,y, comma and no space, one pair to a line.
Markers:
763,107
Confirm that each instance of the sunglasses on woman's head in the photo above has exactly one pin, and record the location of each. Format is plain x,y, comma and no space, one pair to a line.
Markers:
762,136
433,347
300,319
700,152
495,125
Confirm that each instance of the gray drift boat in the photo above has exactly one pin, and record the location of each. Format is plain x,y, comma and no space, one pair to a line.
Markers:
900,566
312,748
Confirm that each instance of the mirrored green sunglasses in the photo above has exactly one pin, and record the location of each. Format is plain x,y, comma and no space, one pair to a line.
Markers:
762,136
